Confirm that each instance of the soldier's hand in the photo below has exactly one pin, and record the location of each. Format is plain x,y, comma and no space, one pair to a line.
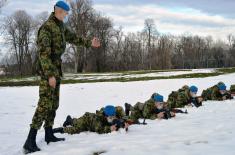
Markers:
95,42
160,115
113,128
199,99
189,105
126,125
172,114
224,98
52,82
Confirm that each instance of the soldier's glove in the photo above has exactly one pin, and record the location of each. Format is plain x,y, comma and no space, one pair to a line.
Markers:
58,130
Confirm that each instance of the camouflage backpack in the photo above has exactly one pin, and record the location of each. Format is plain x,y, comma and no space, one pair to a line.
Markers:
172,98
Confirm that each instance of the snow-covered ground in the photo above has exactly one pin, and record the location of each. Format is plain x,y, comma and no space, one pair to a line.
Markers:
207,130
131,75
127,75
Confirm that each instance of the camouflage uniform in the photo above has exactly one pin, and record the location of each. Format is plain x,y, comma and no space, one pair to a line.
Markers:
89,122
232,89
180,98
213,93
144,110
51,43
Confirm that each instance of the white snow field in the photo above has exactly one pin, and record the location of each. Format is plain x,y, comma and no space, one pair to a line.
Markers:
131,75
127,75
207,130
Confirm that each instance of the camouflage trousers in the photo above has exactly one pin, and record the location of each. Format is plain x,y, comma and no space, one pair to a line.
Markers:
78,125
137,112
47,105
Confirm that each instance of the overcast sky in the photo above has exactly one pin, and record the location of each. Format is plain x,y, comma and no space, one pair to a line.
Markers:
202,17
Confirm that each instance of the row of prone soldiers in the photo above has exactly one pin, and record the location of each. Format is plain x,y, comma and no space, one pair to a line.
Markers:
112,118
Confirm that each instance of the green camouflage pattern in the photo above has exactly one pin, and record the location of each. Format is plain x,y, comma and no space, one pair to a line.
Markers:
144,110
180,98
47,105
51,43
232,89
89,122
137,111
213,93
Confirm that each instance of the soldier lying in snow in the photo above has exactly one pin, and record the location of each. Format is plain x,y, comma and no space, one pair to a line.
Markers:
217,92
186,96
152,109
101,122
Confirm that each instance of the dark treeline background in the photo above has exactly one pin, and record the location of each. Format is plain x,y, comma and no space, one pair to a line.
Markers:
145,50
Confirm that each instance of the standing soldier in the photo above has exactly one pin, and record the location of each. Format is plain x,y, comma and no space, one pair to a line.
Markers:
104,121
51,43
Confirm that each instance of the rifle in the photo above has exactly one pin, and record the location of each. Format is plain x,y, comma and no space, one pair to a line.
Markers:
179,111
228,95
196,102
119,123
167,113
232,94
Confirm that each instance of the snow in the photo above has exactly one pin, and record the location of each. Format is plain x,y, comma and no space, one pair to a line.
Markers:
127,75
207,130
132,75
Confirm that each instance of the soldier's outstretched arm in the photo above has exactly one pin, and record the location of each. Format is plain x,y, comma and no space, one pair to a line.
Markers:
72,38
44,45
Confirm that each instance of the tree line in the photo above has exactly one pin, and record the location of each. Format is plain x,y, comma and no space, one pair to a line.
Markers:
145,50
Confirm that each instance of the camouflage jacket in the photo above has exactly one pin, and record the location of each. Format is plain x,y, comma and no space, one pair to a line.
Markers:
213,93
148,110
89,122
180,98
51,43
144,110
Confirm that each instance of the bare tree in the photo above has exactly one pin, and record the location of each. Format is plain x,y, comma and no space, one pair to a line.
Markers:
151,33
19,31
79,22
102,28
3,3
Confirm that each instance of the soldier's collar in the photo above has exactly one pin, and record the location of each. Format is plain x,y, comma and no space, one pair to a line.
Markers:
57,21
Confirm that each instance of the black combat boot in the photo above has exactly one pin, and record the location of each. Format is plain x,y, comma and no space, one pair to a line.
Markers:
127,109
58,130
49,136
30,145
68,121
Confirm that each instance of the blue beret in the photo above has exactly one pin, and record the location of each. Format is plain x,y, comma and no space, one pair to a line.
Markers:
193,89
158,98
110,110
63,5
222,87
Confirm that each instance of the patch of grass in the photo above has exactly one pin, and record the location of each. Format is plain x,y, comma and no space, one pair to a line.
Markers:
226,70
122,79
